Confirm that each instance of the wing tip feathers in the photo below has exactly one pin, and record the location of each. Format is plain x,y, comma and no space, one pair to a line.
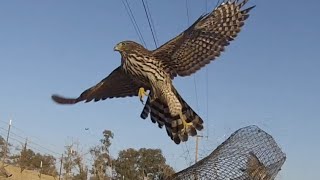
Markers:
62,100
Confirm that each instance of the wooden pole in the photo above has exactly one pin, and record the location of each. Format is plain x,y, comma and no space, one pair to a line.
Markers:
60,167
40,169
7,143
197,147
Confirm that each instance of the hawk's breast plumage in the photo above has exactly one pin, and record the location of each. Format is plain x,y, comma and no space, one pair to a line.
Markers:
154,70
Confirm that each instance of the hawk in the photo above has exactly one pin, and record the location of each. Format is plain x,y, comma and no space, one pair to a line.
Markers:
256,170
144,70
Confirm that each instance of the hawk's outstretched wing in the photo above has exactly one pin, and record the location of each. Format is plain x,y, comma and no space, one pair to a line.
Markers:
204,40
117,84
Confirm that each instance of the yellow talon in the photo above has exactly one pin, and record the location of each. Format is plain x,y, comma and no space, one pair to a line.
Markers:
141,94
185,123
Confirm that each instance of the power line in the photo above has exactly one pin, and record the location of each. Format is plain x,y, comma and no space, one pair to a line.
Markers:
11,133
206,6
153,35
154,29
207,84
32,142
133,21
194,77
207,100
188,19
27,136
29,147
17,137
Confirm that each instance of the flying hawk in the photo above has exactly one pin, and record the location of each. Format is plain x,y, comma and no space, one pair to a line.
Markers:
142,69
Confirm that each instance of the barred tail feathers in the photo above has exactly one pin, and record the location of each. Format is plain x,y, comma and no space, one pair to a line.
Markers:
159,113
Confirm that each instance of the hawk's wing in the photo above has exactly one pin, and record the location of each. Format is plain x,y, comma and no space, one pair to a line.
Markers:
117,84
204,40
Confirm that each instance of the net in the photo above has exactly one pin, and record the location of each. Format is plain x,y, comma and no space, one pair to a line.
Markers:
248,154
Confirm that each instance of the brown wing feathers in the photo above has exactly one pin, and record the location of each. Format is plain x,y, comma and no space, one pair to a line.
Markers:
117,84
204,40
183,55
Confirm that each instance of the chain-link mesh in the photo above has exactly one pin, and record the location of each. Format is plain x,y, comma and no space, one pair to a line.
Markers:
248,154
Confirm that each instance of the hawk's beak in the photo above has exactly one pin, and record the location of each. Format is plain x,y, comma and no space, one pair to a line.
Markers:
116,48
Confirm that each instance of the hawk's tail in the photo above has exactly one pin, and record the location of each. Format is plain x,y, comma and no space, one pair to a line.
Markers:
159,112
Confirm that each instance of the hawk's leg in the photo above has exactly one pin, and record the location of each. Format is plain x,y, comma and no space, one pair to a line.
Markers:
185,124
141,94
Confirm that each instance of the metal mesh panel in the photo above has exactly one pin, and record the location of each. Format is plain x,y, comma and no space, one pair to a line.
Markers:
248,154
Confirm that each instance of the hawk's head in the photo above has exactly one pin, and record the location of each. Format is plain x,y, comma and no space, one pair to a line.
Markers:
129,47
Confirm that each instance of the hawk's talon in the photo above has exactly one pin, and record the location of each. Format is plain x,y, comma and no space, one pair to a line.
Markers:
141,94
141,100
184,123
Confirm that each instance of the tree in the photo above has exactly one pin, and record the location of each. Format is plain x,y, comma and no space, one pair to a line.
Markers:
69,161
73,162
48,164
4,150
82,168
102,158
4,147
28,159
141,164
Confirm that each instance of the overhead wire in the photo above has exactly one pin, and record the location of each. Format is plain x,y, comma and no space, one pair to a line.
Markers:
18,138
151,29
206,6
24,133
27,136
154,36
187,8
35,149
207,84
133,21
194,77
49,150
152,24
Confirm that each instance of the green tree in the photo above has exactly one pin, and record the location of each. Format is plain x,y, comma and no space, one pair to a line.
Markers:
102,158
73,163
68,161
141,164
81,167
48,164
28,159
4,150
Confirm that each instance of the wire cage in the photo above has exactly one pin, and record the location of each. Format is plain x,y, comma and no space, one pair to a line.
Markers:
248,154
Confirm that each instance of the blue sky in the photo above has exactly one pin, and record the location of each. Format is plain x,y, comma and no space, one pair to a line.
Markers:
269,76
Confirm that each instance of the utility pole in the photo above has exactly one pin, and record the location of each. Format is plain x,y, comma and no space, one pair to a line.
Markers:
40,170
197,146
25,144
6,147
60,167
23,153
